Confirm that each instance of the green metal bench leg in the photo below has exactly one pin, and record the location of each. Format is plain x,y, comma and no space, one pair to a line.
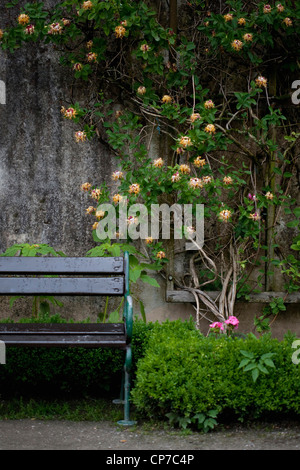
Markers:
128,362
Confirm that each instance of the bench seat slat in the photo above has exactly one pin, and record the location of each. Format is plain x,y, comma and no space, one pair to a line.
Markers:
63,335
62,328
84,341
62,286
61,265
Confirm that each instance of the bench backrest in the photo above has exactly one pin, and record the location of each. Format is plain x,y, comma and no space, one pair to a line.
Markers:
110,276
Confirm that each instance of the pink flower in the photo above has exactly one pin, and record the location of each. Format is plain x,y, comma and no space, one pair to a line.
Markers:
175,177
29,29
254,216
144,48
217,325
233,321
55,28
91,57
267,9
77,67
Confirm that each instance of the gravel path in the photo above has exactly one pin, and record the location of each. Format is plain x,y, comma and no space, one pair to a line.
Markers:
66,435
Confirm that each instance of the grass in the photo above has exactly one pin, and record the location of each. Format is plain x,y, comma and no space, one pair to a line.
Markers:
80,409
83,409
102,409
74,409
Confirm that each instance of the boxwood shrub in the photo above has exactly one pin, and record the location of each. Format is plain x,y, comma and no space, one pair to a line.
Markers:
186,376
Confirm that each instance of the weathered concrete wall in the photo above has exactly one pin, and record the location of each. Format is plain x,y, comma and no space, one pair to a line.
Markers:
41,165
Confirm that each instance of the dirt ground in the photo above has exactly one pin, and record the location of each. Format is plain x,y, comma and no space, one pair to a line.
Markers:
66,435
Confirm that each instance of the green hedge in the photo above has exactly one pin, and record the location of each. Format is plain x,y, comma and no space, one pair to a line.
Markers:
188,377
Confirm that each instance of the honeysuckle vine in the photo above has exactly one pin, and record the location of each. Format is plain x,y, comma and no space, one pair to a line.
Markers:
211,90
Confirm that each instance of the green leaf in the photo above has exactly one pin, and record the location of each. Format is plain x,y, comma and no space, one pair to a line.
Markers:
244,362
297,212
135,273
149,280
29,251
262,368
115,250
269,362
142,309
114,317
293,223
267,356
184,422
250,366
12,4
11,251
200,417
213,413
248,354
255,374
190,46
295,247
209,423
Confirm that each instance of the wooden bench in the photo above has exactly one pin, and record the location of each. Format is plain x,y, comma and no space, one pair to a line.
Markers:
81,276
